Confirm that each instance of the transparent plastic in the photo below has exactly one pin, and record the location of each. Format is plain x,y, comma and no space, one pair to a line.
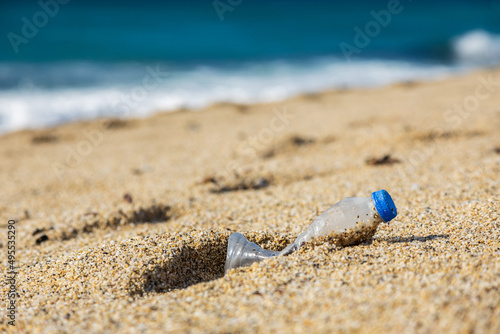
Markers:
242,253
350,221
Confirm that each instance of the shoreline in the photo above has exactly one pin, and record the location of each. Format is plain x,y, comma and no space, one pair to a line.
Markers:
433,78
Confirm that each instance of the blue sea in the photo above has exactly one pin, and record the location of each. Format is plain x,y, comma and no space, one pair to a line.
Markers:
65,60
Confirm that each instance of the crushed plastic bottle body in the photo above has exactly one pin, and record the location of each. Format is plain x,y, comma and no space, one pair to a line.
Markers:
348,222
341,221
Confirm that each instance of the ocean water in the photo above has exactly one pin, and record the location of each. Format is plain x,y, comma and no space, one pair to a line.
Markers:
71,60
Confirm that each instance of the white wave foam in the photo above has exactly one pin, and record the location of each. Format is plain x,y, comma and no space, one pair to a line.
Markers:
477,47
33,106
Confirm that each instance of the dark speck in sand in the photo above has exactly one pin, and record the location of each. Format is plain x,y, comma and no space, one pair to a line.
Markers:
288,145
300,141
209,179
115,123
38,231
41,239
244,185
385,160
44,139
128,198
242,108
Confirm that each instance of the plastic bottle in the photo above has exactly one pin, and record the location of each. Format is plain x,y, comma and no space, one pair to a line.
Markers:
348,222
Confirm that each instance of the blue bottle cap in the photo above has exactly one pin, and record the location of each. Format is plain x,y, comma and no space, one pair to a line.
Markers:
385,205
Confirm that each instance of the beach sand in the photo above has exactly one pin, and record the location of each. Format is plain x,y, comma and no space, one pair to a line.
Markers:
122,225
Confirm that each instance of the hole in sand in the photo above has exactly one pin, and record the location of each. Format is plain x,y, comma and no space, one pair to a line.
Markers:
195,258
188,263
